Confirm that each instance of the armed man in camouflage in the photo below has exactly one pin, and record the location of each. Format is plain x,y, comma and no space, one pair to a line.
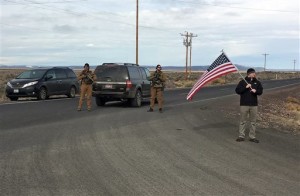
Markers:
157,79
87,78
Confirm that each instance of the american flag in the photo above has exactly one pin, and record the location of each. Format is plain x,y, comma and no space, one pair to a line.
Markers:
221,66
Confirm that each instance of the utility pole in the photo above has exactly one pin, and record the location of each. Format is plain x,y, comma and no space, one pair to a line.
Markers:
191,36
294,65
187,42
137,34
265,60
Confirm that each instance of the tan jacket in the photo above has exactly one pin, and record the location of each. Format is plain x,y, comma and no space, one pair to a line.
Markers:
158,79
86,77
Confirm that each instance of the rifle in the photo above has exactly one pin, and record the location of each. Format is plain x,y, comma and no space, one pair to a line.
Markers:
87,75
156,79
90,77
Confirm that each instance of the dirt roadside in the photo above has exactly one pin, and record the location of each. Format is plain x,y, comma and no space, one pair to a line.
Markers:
278,109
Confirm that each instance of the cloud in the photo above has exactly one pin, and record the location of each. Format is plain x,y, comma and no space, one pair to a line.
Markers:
105,30
90,45
64,28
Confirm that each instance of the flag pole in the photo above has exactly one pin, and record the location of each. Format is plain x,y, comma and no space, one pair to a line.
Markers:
235,67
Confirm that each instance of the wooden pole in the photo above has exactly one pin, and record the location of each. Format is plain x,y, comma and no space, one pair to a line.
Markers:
186,55
137,34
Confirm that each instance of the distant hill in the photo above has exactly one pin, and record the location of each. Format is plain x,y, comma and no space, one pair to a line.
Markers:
150,67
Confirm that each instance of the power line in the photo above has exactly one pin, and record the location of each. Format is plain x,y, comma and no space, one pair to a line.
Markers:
19,26
53,2
87,14
54,8
41,7
235,7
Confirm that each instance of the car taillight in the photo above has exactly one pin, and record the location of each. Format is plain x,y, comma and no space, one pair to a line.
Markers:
128,84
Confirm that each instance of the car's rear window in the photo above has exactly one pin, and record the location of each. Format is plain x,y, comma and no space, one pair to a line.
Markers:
134,73
60,73
32,74
113,73
70,73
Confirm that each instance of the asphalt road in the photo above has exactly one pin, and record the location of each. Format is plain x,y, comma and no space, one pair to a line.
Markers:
48,148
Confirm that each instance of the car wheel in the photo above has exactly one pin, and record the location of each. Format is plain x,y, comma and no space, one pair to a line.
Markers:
137,100
72,92
13,98
100,101
42,94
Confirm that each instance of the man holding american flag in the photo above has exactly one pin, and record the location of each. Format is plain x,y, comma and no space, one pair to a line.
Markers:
248,88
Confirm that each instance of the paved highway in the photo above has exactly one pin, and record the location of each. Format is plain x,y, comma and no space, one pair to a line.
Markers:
48,148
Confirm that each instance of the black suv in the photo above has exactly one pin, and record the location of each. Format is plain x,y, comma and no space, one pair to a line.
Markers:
121,82
42,83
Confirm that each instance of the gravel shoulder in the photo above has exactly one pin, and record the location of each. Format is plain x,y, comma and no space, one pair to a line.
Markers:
279,109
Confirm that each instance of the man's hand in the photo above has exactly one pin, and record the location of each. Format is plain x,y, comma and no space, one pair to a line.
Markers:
253,90
248,86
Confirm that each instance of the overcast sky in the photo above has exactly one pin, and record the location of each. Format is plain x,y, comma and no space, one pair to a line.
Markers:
73,32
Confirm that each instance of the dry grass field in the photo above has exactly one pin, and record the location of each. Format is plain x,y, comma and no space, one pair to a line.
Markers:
281,109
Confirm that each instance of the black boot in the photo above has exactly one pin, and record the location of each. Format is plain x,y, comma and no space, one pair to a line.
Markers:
150,110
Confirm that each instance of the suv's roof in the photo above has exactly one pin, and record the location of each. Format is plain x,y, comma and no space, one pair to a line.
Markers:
124,64
46,68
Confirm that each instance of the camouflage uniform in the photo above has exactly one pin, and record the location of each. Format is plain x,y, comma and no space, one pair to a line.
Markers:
87,77
157,79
